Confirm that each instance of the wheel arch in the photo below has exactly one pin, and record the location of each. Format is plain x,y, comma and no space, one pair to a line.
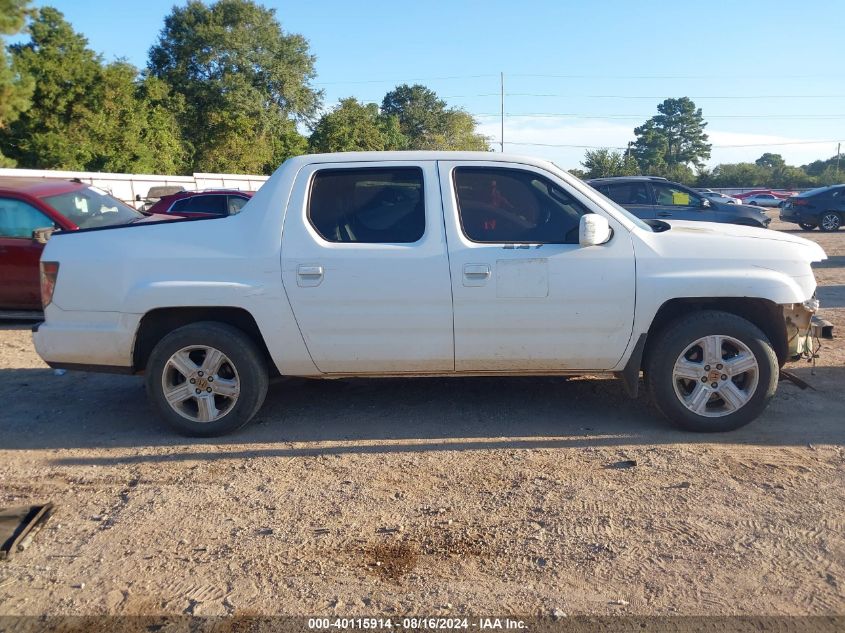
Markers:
765,314
159,322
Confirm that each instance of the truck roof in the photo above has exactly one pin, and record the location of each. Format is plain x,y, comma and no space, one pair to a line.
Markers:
360,157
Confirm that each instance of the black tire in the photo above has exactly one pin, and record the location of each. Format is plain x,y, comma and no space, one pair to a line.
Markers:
806,227
752,204
673,340
830,221
245,363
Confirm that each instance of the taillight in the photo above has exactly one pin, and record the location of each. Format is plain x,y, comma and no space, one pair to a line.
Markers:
49,272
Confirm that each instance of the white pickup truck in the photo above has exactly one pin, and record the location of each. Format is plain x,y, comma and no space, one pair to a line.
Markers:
430,264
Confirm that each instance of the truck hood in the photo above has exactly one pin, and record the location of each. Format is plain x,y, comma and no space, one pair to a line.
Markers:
713,260
722,237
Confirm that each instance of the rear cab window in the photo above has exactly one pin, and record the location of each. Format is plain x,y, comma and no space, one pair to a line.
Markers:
368,205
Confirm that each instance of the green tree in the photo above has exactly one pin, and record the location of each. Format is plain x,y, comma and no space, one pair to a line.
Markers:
51,133
600,163
135,130
86,116
244,81
675,136
735,175
770,161
819,167
15,90
428,124
353,126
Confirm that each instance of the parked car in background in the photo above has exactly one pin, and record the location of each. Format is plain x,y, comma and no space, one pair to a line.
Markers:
156,193
214,203
655,198
31,209
718,196
823,207
763,200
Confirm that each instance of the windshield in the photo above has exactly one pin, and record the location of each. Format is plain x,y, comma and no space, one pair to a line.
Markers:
90,208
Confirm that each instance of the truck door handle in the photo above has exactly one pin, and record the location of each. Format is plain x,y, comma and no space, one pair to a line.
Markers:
310,271
664,214
309,276
476,271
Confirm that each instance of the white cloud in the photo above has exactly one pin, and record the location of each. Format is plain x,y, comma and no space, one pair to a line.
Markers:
605,133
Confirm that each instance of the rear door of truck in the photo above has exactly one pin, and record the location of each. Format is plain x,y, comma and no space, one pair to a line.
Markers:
365,267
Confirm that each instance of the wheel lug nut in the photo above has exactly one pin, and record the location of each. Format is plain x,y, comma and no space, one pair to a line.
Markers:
714,385
211,379
193,381
198,391
718,366
704,379
208,390
724,377
706,368
199,373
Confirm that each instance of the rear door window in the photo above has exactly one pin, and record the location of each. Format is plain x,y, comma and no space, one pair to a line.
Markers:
214,204
368,205
629,193
236,203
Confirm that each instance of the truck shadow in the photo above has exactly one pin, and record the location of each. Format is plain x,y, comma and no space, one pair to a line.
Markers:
308,417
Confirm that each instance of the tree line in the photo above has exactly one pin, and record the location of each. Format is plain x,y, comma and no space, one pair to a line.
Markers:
225,89
673,144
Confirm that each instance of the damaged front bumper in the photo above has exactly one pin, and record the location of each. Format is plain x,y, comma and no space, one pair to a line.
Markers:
803,327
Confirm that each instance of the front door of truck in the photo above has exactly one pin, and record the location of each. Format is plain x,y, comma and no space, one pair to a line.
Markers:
527,296
365,268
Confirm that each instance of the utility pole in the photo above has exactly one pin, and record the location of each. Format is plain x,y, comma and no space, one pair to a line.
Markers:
502,104
838,148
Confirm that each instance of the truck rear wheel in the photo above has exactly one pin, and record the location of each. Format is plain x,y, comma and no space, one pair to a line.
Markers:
206,379
712,371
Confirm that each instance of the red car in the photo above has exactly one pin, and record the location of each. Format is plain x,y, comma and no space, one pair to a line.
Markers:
783,195
213,203
30,210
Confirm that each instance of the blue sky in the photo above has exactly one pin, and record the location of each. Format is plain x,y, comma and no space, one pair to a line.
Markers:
763,72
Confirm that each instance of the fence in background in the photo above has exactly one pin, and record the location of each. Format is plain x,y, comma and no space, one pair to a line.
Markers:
131,187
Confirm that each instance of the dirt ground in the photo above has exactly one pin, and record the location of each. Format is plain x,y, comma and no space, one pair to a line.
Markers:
428,496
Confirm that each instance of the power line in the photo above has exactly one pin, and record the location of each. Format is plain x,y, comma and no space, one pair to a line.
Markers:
400,81
617,96
573,76
720,76
713,146
558,95
554,115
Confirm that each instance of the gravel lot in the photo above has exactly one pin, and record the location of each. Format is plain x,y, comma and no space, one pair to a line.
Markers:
462,496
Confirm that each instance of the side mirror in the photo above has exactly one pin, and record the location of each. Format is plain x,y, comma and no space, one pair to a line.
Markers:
705,203
137,197
593,230
42,235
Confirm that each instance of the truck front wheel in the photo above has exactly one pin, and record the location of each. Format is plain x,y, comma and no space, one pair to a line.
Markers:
712,371
206,379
